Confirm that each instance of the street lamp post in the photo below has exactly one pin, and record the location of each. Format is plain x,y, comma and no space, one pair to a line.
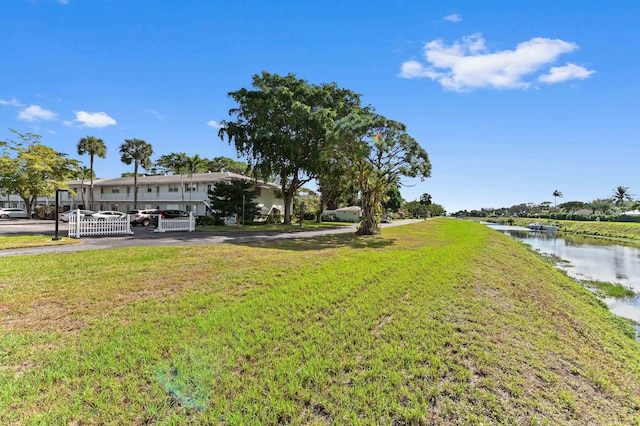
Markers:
56,218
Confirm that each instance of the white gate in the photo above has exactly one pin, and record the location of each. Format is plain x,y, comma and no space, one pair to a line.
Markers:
81,227
176,224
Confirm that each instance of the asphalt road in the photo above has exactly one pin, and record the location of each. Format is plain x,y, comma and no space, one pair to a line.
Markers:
144,236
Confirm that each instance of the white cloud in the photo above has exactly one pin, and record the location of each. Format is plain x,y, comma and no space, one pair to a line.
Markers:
568,72
11,102
454,17
214,124
93,119
155,113
35,112
468,64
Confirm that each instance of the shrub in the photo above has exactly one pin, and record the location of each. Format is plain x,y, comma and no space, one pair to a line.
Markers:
44,212
274,218
208,220
329,218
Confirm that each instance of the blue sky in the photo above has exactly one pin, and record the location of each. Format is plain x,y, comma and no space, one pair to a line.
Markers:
511,99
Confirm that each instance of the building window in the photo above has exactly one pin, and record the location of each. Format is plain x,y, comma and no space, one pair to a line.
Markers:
149,189
102,190
128,190
174,188
258,191
115,190
190,188
208,187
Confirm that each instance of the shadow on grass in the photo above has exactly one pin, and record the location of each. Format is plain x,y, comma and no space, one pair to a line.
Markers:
326,242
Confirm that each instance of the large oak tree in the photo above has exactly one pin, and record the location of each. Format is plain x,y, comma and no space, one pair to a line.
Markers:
280,126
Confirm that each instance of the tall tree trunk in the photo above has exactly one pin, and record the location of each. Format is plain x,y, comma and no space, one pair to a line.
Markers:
91,194
182,189
369,224
84,206
135,185
287,197
29,202
190,189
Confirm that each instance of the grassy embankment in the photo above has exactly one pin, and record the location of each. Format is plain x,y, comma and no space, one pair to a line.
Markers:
275,227
22,241
615,230
443,322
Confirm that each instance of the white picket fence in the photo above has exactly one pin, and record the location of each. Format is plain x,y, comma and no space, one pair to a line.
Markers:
176,224
81,227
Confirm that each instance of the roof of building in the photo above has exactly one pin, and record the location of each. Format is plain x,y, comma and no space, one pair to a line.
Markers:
168,179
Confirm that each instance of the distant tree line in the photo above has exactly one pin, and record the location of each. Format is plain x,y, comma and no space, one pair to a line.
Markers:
610,208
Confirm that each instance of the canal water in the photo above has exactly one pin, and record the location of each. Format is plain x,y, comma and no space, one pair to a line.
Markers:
587,258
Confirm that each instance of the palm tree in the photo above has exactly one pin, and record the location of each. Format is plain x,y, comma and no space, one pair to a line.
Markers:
176,163
425,199
139,153
195,164
556,194
92,146
83,173
620,194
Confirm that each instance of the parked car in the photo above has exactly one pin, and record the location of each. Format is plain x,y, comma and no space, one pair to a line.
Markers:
67,215
172,214
13,213
144,217
106,215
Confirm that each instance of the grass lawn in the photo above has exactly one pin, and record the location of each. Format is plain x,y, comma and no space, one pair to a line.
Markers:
441,322
11,242
306,225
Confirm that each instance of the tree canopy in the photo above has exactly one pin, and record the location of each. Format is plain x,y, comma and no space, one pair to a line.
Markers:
394,200
280,126
377,152
425,199
31,170
225,164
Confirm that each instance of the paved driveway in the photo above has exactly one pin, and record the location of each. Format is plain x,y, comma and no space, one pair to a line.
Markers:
144,236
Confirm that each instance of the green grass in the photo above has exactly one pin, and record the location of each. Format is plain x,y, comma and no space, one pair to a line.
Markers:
306,225
12,242
442,322
608,289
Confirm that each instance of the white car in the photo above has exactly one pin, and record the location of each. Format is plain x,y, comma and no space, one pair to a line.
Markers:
106,215
67,215
13,213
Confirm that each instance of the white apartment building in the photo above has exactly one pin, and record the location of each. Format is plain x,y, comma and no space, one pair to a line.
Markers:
174,192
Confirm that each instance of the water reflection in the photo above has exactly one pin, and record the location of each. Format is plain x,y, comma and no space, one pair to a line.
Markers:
590,259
